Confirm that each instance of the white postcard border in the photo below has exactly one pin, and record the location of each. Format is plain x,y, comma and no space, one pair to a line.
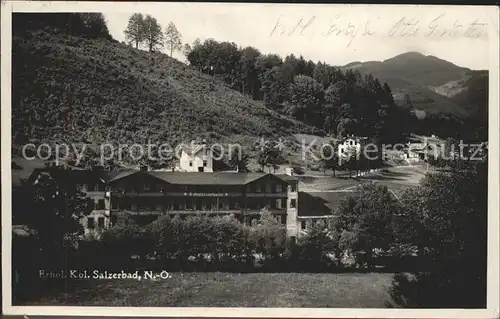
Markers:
492,310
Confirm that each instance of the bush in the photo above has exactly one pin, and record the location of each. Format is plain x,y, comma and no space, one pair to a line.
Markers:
268,237
297,170
201,242
314,250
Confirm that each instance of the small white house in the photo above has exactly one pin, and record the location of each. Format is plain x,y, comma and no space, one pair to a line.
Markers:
350,143
195,158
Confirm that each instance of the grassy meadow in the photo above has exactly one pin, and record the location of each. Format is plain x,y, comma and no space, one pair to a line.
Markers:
367,290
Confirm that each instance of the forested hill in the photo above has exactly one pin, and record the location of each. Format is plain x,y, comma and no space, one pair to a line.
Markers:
72,88
426,83
72,82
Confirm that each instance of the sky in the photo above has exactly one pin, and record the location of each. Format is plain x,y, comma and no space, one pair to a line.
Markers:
335,34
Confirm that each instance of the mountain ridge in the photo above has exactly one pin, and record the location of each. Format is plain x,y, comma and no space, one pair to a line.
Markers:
424,82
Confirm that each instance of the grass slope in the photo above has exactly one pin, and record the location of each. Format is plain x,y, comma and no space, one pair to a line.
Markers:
125,95
233,290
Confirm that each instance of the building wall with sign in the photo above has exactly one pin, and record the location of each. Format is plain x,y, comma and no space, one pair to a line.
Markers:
142,194
145,195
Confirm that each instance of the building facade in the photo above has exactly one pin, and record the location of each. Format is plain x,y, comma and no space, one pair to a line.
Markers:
243,195
145,195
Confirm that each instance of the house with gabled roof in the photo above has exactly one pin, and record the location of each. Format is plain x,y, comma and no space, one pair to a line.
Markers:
145,195
195,157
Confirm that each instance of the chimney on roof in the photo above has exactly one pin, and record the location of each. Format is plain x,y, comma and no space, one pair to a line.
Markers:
204,141
289,171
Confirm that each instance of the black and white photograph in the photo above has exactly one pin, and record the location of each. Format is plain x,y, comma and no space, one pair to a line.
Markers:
250,159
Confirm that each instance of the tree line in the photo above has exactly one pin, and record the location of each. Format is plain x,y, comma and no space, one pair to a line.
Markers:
147,31
91,25
337,101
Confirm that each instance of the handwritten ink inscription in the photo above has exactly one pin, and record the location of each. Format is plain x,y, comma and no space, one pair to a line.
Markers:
437,27
338,26
335,27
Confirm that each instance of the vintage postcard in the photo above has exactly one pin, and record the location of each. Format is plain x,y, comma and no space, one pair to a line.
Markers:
250,160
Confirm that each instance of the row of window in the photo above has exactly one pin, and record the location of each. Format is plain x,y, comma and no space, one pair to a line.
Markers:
305,224
276,188
207,204
279,203
204,163
91,222
95,187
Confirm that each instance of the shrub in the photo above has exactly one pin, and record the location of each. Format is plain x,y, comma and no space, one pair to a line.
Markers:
268,237
209,242
297,170
314,250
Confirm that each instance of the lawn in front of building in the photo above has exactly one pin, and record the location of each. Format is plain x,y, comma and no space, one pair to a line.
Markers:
358,290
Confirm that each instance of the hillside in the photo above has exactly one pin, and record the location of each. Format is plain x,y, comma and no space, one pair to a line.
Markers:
429,82
73,89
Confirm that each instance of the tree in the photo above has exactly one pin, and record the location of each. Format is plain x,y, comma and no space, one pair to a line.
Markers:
196,43
446,217
239,160
173,38
270,155
186,49
269,237
96,25
153,33
135,31
330,158
268,89
350,160
314,248
369,216
56,206
249,72
307,99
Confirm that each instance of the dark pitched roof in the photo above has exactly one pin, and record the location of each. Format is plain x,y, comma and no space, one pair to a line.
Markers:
80,175
186,178
320,203
206,178
287,178
192,149
119,175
